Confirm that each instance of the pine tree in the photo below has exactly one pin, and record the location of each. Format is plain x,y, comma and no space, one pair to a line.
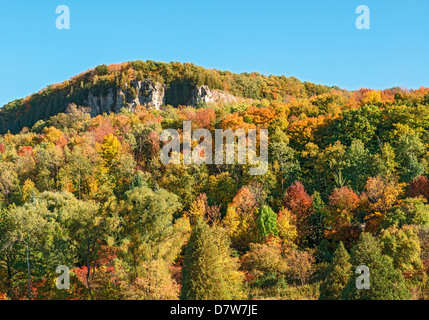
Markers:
338,274
386,283
267,223
210,273
317,220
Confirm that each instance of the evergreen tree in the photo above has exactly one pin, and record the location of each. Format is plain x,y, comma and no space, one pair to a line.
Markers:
386,283
267,223
337,276
210,273
317,220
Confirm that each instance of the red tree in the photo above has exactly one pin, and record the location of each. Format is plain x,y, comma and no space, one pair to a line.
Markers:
25,151
419,187
300,204
343,200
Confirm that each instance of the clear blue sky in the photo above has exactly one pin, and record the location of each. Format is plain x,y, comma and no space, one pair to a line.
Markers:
314,40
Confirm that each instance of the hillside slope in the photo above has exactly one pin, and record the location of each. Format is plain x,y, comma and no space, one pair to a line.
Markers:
152,84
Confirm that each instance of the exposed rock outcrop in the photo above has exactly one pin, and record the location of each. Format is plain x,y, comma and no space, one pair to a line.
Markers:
149,94
145,93
204,94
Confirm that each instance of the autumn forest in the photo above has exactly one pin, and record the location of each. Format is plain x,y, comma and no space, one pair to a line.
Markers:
347,185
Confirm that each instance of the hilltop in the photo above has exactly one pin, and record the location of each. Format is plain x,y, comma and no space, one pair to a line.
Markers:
152,84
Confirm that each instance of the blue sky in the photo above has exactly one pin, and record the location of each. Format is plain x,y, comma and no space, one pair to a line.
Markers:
314,40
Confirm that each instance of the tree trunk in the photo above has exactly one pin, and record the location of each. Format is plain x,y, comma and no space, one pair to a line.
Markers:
28,272
88,271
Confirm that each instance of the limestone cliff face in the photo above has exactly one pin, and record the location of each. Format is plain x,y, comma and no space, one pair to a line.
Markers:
145,93
148,94
204,94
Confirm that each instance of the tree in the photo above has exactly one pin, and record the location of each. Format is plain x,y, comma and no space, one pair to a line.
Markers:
286,158
149,228
342,204
383,193
300,204
156,283
410,150
101,70
240,219
286,224
75,175
338,274
300,264
317,220
410,211
356,170
8,182
403,246
89,231
331,161
386,283
35,235
358,124
49,159
419,187
384,164
110,149
201,209
187,181
265,261
209,272
29,190
267,223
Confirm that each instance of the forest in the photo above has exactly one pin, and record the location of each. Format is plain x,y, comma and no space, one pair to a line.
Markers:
178,78
346,186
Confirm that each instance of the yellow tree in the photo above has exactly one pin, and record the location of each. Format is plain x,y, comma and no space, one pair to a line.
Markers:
381,195
110,149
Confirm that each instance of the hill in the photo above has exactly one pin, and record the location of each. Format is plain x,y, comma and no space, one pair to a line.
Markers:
148,83
93,194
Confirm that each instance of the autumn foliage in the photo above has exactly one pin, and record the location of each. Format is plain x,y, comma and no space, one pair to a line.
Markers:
92,193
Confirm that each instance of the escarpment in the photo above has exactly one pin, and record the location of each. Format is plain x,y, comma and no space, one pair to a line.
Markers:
147,93
106,89
151,95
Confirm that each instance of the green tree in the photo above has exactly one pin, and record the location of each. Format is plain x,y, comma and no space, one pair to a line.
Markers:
148,227
337,275
317,220
210,273
386,283
356,170
267,223
357,124
384,164
37,242
410,211
285,157
403,246
409,152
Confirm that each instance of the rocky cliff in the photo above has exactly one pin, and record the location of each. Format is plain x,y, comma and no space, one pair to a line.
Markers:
204,94
149,94
145,93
